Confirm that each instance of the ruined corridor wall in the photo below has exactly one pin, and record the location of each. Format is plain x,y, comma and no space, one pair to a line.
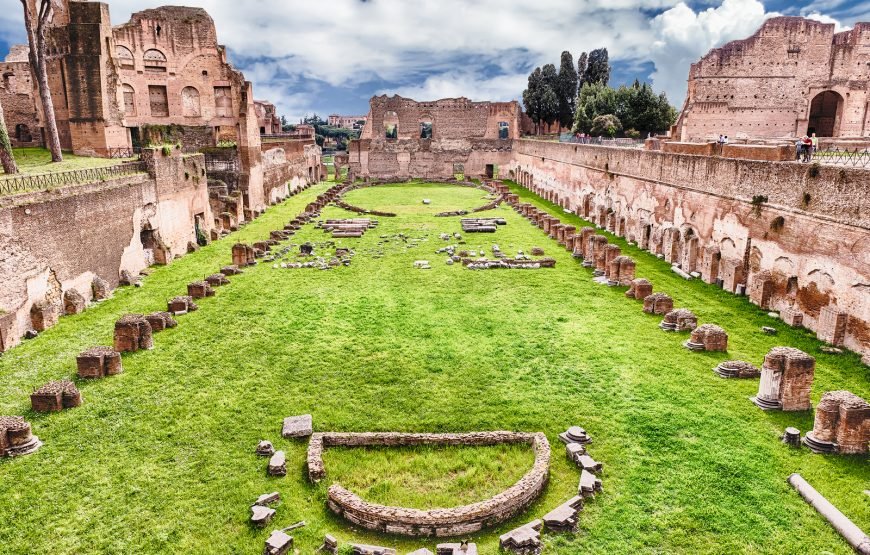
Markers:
803,249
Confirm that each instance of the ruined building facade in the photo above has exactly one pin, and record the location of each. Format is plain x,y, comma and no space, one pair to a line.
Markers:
160,78
436,140
793,76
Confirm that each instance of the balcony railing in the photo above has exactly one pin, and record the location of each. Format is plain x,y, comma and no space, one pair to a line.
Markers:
13,184
835,156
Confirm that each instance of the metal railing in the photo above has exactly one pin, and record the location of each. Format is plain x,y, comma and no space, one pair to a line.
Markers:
835,156
39,182
601,141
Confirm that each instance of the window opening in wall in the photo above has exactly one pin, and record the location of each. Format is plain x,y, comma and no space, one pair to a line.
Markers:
129,100
426,130
391,126
459,171
125,57
158,100
158,29
22,133
223,102
504,129
199,229
155,61
190,102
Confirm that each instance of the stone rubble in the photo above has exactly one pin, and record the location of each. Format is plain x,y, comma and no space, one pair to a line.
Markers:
133,333
737,369
278,543
525,540
658,303
708,337
16,437
55,396
679,320
842,425
98,362
565,517
181,305
297,426
265,449
278,464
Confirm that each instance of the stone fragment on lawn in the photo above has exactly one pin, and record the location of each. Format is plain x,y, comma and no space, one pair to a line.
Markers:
265,449
737,369
768,330
181,305
200,290
55,396
537,251
680,319
16,437
462,548
575,434
100,289
564,518
98,362
260,515
160,321
786,380
525,540
268,498
589,484
792,436
133,333
842,425
330,544
278,464
73,302
297,426
279,543
216,280
589,464
708,337
362,549
658,303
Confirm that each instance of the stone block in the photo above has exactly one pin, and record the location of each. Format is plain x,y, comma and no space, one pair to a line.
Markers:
786,380
792,317
231,270
589,484
525,540
832,325
98,362
217,280
100,289
243,255
639,289
565,517
278,464
679,320
73,302
16,437
199,290
737,369
55,396
160,321
181,305
621,271
708,337
43,315
260,515
658,303
265,449
842,425
133,333
278,543
297,426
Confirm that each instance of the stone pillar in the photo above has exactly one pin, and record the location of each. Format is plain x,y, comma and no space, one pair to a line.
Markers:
132,333
792,317
832,325
786,380
710,264
708,337
611,253
761,289
568,237
658,303
639,289
243,255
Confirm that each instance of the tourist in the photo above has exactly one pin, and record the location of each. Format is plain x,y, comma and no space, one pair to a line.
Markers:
797,149
815,147
806,145
721,140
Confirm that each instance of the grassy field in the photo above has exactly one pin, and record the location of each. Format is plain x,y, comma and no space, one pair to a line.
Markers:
160,458
38,160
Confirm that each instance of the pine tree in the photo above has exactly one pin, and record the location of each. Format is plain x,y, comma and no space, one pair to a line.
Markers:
532,97
567,89
598,67
36,31
581,70
549,98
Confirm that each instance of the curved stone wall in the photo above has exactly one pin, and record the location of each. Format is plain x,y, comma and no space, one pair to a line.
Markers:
454,521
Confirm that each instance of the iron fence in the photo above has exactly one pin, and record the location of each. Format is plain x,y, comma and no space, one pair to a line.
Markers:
601,141
39,182
835,156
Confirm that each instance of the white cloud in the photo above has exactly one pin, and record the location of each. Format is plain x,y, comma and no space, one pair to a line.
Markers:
683,36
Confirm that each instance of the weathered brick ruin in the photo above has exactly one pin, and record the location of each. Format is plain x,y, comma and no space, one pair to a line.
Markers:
792,77
16,437
786,380
98,362
440,139
698,212
18,99
842,425
708,337
456,521
133,333
55,396
680,319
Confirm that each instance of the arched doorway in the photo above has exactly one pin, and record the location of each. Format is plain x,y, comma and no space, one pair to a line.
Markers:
825,112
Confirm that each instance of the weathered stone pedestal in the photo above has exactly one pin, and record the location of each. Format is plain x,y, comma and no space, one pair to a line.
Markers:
16,437
639,289
133,333
792,437
199,290
55,396
658,303
621,271
99,362
681,319
243,255
181,305
708,337
575,434
842,425
786,380
737,369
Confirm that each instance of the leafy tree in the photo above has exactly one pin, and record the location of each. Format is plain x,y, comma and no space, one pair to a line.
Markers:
607,124
598,67
549,99
594,100
7,159
532,97
35,25
637,107
567,89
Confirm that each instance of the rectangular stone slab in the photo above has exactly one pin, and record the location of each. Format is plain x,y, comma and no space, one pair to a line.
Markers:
298,426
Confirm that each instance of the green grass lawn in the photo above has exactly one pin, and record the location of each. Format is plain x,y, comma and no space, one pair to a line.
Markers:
38,160
160,459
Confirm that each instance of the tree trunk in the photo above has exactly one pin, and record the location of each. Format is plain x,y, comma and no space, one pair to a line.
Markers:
38,54
6,157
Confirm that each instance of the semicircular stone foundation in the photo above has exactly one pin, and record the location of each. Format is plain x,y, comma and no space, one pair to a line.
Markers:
454,521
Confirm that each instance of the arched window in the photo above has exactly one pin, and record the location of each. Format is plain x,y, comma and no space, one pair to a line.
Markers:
391,125
426,129
155,61
22,133
129,100
190,102
223,101
125,57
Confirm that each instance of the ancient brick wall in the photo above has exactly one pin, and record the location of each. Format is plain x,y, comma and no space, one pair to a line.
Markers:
403,138
808,237
17,99
60,240
766,85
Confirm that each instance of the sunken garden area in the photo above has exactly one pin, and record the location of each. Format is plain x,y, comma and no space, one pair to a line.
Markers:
378,318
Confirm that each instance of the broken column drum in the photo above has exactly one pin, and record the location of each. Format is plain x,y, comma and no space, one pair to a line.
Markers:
842,425
133,333
98,362
708,337
786,380
658,303
16,437
680,319
639,289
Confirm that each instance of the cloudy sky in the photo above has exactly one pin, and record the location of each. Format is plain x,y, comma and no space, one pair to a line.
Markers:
328,56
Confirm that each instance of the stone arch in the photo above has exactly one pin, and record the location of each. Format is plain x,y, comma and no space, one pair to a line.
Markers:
823,280
125,57
155,61
391,125
190,106
129,95
426,127
826,109
784,265
728,248
689,249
